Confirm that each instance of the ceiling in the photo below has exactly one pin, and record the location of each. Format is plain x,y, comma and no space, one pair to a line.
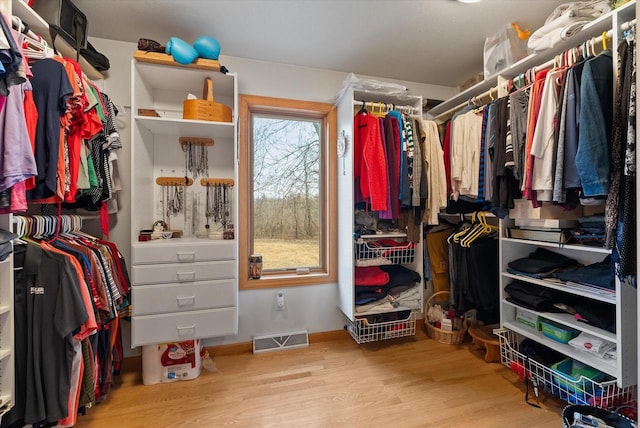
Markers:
428,41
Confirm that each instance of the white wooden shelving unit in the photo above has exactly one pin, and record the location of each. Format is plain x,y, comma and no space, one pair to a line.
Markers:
182,288
360,330
624,367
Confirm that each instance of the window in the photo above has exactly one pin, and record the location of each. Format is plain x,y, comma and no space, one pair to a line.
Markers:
287,187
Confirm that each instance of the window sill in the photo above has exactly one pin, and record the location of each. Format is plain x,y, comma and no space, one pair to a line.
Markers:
292,280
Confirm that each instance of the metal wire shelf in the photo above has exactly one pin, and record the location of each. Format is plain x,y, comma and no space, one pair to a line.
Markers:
364,330
377,252
574,389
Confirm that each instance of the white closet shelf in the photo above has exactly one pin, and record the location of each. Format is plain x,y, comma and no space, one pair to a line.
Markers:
4,353
607,366
172,126
4,309
599,25
570,321
556,286
585,248
38,25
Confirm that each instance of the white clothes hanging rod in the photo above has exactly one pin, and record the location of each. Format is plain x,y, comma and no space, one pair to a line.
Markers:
490,93
549,64
624,27
15,219
386,107
544,65
627,25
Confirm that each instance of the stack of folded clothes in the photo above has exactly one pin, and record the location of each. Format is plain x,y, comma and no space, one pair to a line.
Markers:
541,263
383,288
591,231
543,299
548,265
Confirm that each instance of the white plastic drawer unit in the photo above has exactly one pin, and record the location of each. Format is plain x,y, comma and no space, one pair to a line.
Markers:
150,329
170,251
162,298
183,272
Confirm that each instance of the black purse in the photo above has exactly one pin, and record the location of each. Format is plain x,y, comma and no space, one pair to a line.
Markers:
65,19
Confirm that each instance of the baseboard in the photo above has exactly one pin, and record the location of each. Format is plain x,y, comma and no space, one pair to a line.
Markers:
134,363
247,347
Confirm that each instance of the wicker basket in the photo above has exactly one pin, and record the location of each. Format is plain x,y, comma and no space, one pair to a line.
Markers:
206,109
455,337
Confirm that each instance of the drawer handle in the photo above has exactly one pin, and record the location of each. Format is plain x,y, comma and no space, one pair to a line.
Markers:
186,276
186,301
182,330
184,256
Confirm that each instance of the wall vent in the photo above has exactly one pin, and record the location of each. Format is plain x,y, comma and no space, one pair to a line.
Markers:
277,342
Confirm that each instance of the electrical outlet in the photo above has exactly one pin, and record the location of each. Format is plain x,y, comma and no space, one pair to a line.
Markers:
280,300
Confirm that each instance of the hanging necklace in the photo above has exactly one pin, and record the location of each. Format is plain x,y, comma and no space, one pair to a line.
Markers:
176,201
213,202
217,213
201,166
225,205
188,160
196,156
208,211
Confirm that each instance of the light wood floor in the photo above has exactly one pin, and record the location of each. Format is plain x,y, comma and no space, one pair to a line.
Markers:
409,382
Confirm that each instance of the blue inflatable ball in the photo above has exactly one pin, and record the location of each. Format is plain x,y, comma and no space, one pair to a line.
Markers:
181,51
207,47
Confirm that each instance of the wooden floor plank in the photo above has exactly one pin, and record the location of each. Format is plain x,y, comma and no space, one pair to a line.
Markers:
409,382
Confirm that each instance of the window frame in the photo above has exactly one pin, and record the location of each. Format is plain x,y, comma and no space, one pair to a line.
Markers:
327,273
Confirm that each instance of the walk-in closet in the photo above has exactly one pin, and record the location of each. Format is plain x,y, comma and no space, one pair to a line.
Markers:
313,214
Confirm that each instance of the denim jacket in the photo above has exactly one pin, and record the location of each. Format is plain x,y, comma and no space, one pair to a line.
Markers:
596,111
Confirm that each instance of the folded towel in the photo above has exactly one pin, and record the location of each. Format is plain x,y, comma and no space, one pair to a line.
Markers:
566,21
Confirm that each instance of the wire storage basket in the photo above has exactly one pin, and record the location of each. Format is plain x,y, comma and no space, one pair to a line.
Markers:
453,337
372,250
373,328
583,389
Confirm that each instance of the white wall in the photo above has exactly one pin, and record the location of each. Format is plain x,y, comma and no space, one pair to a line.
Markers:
311,308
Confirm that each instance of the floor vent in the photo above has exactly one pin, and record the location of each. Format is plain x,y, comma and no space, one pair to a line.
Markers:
277,342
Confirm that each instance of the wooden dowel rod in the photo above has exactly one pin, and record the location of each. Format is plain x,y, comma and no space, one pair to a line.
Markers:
174,181
216,181
196,141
